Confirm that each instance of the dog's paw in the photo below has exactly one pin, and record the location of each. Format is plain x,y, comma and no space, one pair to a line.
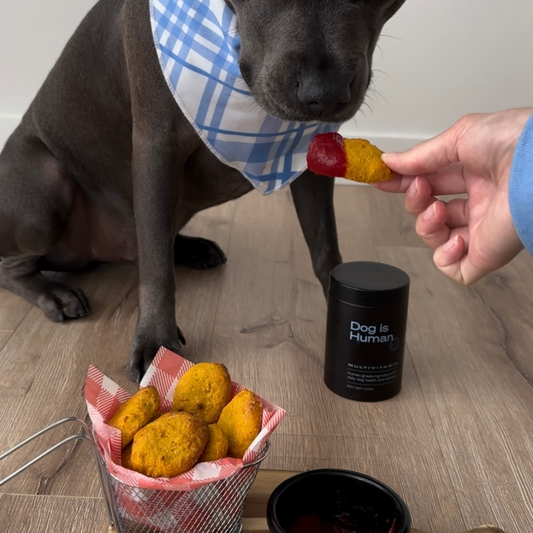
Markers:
198,253
145,348
60,302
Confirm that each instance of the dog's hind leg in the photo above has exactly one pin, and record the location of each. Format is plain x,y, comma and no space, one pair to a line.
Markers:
57,300
198,253
35,201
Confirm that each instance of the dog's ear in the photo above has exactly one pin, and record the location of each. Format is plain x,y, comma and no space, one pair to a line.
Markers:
388,7
233,4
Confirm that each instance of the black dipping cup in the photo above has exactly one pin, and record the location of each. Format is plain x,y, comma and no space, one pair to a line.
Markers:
365,335
330,492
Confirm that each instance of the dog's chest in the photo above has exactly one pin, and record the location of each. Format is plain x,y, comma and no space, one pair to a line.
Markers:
209,182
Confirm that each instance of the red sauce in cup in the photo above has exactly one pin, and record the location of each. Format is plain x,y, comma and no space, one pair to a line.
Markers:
364,521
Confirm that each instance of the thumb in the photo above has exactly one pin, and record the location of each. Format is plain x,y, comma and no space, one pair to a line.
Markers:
428,156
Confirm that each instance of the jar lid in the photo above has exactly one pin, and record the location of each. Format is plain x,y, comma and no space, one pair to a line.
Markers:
369,284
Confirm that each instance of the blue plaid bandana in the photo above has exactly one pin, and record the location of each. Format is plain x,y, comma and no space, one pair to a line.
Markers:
198,48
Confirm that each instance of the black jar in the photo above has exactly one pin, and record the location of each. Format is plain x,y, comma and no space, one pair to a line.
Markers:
365,335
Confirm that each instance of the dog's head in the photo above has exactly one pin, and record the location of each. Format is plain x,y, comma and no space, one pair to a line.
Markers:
308,60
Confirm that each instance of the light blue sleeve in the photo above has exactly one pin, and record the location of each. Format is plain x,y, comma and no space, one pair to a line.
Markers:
521,187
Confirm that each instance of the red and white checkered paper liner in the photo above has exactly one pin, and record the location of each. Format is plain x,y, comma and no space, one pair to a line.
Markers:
103,396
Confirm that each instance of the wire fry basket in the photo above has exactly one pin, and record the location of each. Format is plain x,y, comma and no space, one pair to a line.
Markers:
213,508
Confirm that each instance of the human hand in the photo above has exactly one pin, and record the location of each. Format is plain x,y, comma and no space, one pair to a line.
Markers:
470,236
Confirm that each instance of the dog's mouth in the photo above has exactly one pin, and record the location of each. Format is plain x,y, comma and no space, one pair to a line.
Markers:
332,96
312,112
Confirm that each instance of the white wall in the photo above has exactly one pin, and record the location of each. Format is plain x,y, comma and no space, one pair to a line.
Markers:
441,59
437,60
32,35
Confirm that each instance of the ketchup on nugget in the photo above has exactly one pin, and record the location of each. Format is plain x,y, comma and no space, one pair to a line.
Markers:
330,154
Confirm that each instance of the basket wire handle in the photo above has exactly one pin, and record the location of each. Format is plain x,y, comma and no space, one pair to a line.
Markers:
111,511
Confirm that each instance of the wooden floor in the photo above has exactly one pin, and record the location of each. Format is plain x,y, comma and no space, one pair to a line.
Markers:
456,444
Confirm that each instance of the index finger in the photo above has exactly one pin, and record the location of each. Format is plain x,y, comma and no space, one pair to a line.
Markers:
448,180
398,183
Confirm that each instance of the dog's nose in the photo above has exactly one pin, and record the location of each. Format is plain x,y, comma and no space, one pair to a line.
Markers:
322,94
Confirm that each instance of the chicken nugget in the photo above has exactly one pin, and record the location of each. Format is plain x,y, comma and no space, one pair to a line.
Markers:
135,413
241,421
330,154
170,445
126,457
204,390
217,446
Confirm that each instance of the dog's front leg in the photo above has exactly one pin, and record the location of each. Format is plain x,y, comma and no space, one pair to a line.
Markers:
155,191
313,199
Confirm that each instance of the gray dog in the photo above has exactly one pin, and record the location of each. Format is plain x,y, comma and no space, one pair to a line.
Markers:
106,166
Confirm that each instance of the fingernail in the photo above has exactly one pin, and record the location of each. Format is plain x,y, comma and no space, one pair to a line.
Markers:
450,244
413,188
430,212
389,155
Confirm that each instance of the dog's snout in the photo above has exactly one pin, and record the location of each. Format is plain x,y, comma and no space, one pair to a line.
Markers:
322,92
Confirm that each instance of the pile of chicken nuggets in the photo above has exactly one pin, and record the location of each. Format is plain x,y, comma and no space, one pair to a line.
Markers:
205,423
